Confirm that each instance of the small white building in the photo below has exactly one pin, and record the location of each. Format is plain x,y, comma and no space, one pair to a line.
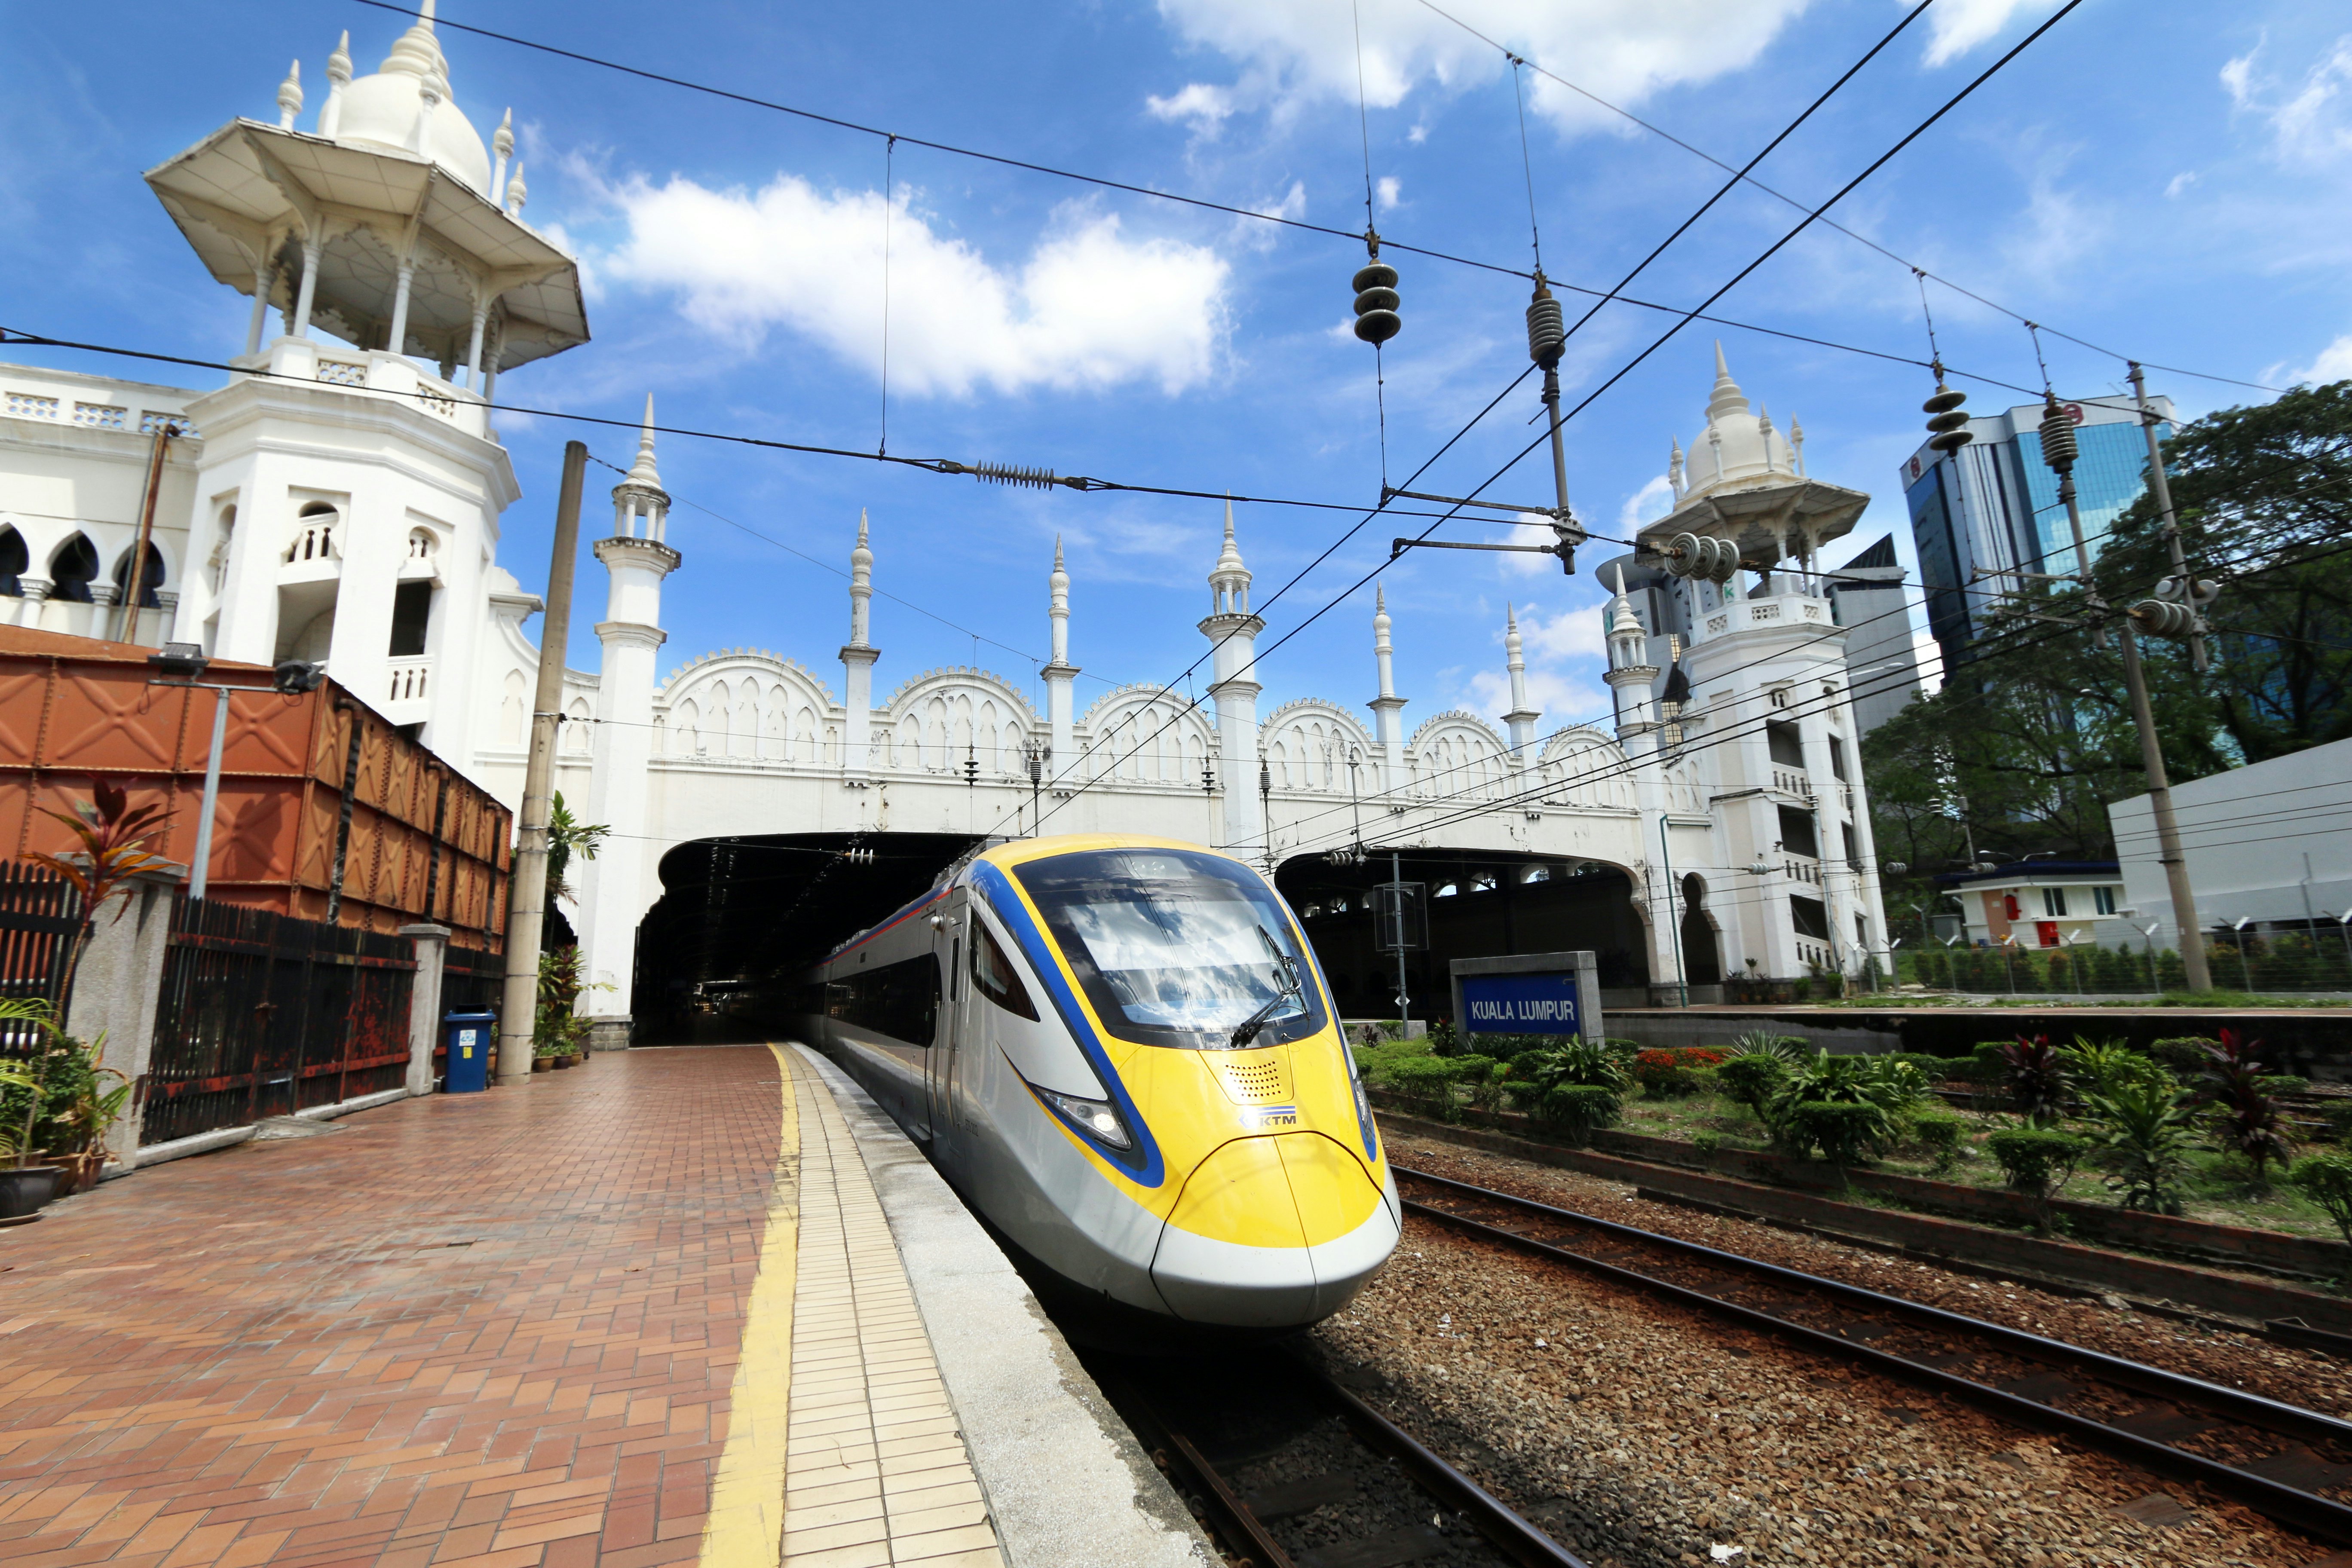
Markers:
2043,903
2270,843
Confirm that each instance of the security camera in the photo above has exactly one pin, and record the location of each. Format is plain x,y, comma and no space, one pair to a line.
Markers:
298,676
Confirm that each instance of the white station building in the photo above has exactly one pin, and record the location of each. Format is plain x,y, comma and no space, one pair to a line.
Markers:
339,499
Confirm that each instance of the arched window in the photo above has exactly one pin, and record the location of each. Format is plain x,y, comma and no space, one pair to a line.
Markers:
148,580
314,538
218,560
14,559
421,545
73,569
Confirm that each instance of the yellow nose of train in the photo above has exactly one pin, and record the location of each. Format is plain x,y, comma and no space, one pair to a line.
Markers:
1278,1220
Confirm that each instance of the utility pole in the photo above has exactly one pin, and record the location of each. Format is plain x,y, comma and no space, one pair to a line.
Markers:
135,588
527,888
1403,997
2058,450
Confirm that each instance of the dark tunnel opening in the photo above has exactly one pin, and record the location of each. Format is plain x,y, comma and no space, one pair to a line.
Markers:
739,916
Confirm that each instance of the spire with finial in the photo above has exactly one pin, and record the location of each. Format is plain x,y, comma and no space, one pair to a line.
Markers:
1521,719
1229,583
339,77
502,147
1797,442
1674,469
517,193
416,51
290,96
1623,621
1727,397
1058,606
642,471
1764,428
861,584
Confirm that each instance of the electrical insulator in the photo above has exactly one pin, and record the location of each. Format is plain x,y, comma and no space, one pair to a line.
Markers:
1546,334
2165,617
1690,556
1946,419
1376,302
2058,448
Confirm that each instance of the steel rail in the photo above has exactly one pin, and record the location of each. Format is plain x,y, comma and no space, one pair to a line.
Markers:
2285,1504
1502,1527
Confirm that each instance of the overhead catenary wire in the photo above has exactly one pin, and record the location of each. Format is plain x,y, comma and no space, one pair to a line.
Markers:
1855,236
1257,214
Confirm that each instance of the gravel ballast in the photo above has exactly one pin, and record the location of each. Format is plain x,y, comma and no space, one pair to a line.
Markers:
1642,1433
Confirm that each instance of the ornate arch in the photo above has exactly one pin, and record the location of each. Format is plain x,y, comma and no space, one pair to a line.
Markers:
1584,767
745,705
1456,754
1306,744
1146,734
944,719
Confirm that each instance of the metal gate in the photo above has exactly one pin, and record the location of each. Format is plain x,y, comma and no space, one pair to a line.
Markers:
39,912
265,1014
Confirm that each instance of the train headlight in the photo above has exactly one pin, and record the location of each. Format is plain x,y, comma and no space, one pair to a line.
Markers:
1096,1118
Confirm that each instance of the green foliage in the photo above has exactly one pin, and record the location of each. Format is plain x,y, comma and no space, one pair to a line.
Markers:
567,836
1426,1081
1482,1078
41,1094
1577,1110
2143,1124
1764,1043
1934,1069
1443,1039
2326,1180
2037,1160
1941,1133
2338,1117
1752,1079
1708,1143
2099,1066
1843,1130
2183,1058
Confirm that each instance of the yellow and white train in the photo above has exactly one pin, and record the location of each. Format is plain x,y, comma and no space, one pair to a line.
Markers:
1119,1051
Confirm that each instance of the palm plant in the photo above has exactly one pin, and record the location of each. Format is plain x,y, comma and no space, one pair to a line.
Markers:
2250,1118
1787,1048
568,835
1804,1109
2143,1125
2100,1065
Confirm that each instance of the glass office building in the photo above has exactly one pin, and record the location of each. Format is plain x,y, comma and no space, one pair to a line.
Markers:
1989,511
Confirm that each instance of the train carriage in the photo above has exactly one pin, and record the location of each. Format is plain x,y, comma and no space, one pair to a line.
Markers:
1121,1052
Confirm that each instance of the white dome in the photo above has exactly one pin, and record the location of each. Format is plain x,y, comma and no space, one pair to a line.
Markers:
1739,449
381,111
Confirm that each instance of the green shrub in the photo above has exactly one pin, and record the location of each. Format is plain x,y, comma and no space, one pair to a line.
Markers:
1707,1144
2143,1126
1578,1111
1575,1061
1983,1064
2337,1114
1941,1133
1426,1081
2326,1180
2100,1066
2286,1083
1443,1040
1482,1078
1752,1079
1843,1130
1764,1043
1935,1069
2184,1058
2037,1161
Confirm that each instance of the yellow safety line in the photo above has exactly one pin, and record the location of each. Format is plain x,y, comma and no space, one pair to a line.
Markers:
745,1526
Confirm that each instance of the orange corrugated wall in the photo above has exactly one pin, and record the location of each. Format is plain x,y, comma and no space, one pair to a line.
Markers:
74,709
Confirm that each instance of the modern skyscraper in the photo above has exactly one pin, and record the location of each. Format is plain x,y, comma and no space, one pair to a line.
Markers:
1866,594
1991,510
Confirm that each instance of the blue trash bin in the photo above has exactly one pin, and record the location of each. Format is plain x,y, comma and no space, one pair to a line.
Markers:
471,1038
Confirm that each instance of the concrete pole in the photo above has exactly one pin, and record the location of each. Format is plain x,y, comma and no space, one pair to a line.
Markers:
527,895
2160,487
431,943
2168,828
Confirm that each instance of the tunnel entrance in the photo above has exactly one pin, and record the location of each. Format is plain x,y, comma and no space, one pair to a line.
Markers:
1482,904
739,916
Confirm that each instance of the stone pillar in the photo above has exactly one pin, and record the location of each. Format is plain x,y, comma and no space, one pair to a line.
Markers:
431,943
117,985
36,593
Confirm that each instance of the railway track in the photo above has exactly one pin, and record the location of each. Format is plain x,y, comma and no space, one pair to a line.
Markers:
2281,1460
1292,1471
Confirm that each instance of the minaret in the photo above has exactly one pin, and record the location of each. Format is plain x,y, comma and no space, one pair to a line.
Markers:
1522,718
858,657
1631,672
614,886
1061,674
1234,630
339,77
1388,708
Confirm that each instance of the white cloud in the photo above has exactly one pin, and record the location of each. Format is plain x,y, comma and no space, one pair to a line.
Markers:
2334,365
2310,122
1570,634
1089,309
1649,504
2180,182
1958,26
1560,698
1290,52
1198,105
1386,188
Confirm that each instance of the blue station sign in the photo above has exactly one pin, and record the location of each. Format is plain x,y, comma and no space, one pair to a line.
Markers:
1520,1003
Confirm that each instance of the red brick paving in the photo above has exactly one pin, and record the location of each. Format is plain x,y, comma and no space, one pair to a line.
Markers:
475,1332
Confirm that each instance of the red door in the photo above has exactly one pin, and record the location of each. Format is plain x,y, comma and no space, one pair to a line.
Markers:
2046,931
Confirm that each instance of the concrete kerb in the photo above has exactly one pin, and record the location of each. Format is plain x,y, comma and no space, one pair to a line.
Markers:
1066,1483
228,1137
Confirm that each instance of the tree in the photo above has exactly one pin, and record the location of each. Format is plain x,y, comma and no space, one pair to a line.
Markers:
2268,486
2031,737
565,836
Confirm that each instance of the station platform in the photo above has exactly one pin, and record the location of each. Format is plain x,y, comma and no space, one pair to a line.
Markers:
695,1305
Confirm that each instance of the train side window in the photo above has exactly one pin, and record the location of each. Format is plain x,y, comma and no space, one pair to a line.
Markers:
994,974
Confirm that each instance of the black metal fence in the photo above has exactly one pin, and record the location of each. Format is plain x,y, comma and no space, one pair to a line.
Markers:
264,1015
39,912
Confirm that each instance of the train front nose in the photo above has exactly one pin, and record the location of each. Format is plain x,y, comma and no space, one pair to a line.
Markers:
1273,1232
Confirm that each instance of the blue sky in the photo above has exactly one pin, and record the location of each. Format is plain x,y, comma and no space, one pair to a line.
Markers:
2164,178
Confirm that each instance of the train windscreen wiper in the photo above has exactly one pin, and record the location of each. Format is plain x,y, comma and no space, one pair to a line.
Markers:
1246,1030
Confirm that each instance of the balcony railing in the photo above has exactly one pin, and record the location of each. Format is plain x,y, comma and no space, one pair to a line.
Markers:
411,678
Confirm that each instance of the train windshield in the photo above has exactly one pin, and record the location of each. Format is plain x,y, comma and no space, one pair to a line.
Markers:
1177,948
